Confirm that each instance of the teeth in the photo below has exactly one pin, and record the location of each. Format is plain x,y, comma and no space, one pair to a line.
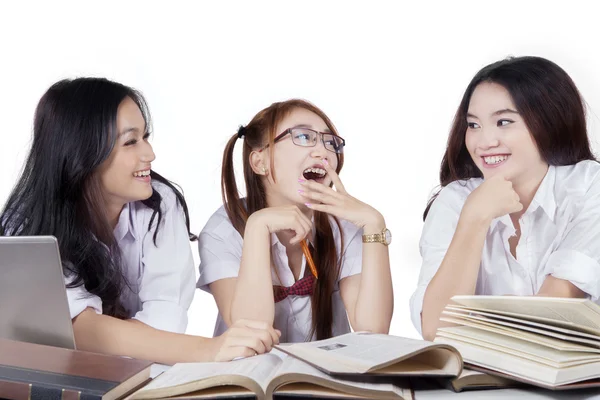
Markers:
140,174
319,171
494,159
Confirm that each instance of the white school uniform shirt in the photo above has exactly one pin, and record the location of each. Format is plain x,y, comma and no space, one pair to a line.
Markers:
162,277
560,236
220,246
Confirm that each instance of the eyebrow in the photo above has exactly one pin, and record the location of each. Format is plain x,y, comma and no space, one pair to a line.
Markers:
128,130
327,130
495,113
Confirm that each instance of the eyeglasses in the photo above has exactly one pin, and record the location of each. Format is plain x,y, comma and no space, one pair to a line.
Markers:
306,137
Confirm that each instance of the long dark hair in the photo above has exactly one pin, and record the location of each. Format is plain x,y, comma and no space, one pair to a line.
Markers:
547,99
59,192
260,131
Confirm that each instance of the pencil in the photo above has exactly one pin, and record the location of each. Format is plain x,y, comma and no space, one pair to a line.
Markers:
309,259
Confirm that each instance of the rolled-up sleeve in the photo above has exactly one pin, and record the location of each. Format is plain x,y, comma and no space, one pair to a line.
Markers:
79,299
168,279
220,253
436,236
352,255
577,257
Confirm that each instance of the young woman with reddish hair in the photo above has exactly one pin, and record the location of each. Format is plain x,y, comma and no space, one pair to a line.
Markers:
254,251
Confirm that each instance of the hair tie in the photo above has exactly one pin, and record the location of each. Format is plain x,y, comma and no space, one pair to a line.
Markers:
241,132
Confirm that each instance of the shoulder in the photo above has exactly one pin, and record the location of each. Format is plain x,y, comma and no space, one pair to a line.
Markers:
578,179
219,225
454,194
168,198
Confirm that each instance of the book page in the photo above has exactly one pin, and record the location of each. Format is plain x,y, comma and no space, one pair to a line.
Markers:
475,379
187,377
359,352
521,368
517,347
577,313
293,370
526,322
547,338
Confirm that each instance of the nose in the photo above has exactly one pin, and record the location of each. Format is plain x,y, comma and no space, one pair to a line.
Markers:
319,151
488,139
148,153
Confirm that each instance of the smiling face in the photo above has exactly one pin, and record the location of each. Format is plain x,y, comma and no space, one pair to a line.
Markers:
293,162
497,137
125,175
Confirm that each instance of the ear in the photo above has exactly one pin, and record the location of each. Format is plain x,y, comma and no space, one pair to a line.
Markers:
258,163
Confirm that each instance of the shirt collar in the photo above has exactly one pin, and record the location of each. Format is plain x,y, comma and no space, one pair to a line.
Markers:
544,198
124,224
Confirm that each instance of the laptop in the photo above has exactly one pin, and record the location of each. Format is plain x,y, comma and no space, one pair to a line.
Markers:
33,299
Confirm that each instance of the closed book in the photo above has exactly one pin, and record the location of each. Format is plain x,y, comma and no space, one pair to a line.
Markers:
33,371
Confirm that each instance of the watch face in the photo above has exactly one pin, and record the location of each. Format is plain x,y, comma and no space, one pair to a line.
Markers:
388,236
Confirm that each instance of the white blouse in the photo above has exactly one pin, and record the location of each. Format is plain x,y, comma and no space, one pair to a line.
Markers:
220,246
560,236
161,277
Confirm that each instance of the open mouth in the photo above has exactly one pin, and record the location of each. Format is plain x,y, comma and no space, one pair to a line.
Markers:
495,160
142,175
314,174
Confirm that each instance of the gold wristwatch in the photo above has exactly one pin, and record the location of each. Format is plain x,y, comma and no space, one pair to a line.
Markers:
385,237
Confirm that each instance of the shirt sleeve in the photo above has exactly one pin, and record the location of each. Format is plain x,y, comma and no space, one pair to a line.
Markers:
79,299
577,257
352,254
168,276
220,253
436,236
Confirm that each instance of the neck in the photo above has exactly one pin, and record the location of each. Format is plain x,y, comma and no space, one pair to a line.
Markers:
527,189
113,211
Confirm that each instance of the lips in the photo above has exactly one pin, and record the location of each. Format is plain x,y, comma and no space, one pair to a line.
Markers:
495,159
314,173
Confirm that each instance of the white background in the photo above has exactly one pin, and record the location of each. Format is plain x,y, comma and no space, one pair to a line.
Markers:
389,74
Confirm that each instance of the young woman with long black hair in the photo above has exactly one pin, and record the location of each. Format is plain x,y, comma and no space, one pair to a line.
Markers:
122,229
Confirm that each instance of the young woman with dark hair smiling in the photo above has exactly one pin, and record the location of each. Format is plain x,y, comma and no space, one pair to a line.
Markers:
519,208
122,229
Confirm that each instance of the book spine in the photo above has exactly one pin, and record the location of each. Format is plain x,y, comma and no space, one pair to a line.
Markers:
27,391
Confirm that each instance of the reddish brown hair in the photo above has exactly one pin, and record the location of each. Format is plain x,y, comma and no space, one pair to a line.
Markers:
259,132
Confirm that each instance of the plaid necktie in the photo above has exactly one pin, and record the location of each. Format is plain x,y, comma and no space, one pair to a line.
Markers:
302,287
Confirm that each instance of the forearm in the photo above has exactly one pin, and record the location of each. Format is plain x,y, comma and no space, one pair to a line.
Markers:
457,275
104,334
253,295
375,300
555,287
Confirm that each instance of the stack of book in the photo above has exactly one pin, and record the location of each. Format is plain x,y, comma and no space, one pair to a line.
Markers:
33,371
548,342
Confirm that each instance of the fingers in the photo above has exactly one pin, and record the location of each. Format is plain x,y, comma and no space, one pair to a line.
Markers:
302,227
335,178
230,353
321,193
260,326
322,208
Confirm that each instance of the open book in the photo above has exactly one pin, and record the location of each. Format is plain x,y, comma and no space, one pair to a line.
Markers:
354,365
548,342
261,376
476,380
